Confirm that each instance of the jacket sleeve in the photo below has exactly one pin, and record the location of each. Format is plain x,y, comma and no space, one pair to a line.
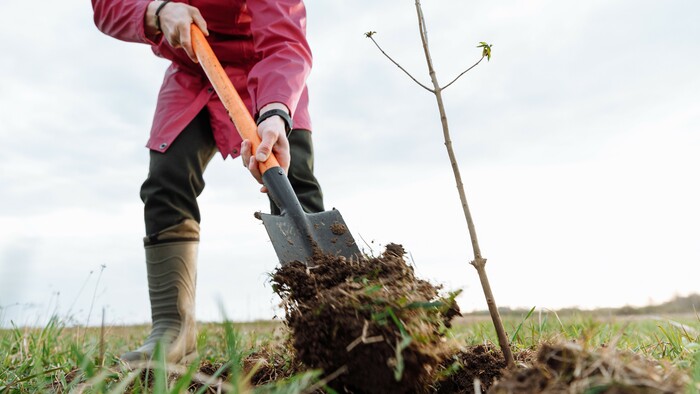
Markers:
279,37
121,19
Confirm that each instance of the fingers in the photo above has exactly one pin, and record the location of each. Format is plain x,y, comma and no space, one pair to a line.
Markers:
269,137
273,141
245,152
282,152
250,163
200,22
175,22
254,169
186,41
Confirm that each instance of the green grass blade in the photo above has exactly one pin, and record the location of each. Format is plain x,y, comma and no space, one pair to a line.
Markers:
185,380
517,330
159,370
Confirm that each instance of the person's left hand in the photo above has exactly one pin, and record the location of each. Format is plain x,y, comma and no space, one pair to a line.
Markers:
175,24
274,140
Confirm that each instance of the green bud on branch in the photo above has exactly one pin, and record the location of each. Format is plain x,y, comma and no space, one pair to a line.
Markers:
486,52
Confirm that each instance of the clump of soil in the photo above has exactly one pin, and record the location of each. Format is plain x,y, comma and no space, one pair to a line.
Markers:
568,368
371,323
458,371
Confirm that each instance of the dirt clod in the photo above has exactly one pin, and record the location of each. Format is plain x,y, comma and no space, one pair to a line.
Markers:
568,368
478,362
371,319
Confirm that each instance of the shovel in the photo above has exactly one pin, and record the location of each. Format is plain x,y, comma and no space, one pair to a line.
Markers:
295,235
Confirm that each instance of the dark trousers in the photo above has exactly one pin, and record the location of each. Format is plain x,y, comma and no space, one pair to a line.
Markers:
175,177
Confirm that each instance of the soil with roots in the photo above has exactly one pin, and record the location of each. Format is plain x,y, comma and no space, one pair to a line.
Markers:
370,323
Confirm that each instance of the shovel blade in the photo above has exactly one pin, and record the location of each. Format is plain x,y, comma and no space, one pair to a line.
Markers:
323,232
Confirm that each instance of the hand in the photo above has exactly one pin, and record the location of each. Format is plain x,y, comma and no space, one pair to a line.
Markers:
175,21
274,139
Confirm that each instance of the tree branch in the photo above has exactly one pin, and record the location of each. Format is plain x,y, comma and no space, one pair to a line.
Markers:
463,72
369,35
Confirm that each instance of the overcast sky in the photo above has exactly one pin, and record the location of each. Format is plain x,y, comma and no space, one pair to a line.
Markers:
578,146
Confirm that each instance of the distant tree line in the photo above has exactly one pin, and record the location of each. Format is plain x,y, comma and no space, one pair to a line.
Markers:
677,305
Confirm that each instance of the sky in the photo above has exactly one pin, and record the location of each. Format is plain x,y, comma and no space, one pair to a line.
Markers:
577,143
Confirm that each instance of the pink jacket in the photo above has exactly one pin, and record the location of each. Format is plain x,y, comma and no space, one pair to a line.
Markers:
261,44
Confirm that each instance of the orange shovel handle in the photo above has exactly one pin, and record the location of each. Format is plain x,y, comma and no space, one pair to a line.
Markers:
237,111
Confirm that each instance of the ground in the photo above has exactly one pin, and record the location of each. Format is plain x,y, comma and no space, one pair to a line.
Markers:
367,326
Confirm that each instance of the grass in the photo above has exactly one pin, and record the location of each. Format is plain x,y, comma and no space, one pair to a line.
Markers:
57,358
674,341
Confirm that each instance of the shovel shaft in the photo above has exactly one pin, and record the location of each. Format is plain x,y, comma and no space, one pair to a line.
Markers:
237,111
296,235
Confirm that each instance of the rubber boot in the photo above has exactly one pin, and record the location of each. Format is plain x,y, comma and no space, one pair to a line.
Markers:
172,273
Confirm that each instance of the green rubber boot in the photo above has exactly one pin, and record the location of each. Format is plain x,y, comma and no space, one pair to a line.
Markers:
172,275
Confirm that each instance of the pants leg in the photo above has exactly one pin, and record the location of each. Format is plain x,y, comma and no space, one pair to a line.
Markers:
175,178
301,173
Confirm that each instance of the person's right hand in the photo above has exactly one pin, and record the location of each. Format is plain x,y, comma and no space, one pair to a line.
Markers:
273,139
175,20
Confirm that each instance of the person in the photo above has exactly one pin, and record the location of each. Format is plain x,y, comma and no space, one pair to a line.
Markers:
263,49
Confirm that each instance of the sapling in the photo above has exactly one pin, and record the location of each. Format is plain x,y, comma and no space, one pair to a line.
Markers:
479,262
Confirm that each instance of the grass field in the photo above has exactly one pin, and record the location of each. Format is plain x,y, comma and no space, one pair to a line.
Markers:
57,358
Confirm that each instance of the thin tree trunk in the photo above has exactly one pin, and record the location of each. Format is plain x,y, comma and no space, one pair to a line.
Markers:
479,262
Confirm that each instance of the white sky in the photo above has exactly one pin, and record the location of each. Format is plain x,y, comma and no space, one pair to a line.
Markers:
578,145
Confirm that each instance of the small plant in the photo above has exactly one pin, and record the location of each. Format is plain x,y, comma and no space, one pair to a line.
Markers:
479,262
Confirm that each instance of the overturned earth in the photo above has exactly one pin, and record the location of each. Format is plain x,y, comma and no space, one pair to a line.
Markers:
370,322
